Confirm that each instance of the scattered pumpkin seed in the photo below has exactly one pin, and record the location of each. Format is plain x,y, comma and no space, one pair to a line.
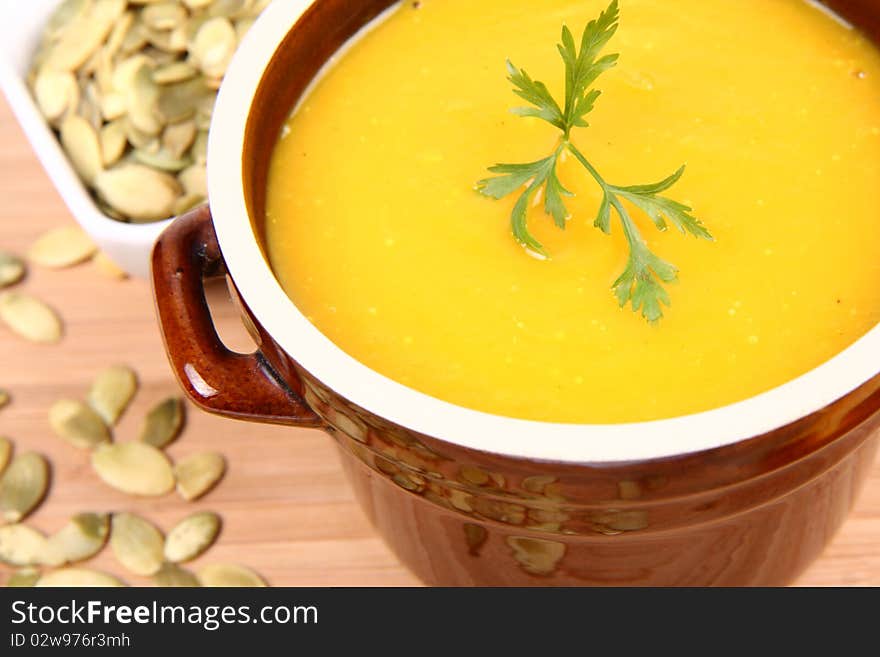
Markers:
173,576
4,398
192,536
112,392
78,424
198,474
62,247
78,578
5,453
23,486
105,265
30,318
23,578
137,544
227,575
21,545
134,468
12,269
81,538
163,423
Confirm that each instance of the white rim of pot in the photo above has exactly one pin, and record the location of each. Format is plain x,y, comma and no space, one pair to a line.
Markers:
543,441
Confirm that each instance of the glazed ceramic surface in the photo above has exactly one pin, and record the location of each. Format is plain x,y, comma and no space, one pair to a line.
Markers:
746,494
21,24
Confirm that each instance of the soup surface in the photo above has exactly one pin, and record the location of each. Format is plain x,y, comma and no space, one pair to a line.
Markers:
377,234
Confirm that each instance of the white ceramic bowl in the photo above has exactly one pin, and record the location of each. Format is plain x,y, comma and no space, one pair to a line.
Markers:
21,23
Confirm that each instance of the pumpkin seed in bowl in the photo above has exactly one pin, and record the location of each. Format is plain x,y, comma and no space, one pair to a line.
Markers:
129,86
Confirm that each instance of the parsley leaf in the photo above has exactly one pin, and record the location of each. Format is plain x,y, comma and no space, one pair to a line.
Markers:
641,284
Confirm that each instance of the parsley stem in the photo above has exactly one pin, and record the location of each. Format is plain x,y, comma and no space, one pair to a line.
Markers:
633,235
589,167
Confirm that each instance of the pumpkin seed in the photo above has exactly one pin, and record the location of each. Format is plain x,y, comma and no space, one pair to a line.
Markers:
164,15
5,453
197,4
200,148
192,536
90,107
220,575
84,35
195,180
123,75
23,578
81,538
141,99
178,138
21,545
134,468
112,392
214,46
163,423
135,38
66,13
113,142
186,203
23,486
78,424
57,92
179,101
4,400
198,474
12,269
174,72
118,35
137,544
172,42
140,139
162,160
81,144
138,191
108,268
30,318
171,575
78,577
62,247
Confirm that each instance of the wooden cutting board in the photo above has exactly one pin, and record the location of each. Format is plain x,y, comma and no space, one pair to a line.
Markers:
287,510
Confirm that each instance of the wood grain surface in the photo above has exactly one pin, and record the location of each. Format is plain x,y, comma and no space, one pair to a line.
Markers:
287,510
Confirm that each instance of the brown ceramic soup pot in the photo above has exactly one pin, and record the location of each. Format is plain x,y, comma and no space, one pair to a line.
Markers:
747,494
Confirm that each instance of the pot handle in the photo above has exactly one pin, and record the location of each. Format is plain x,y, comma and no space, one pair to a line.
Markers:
241,386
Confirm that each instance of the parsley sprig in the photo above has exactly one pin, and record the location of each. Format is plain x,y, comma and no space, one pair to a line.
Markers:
642,282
